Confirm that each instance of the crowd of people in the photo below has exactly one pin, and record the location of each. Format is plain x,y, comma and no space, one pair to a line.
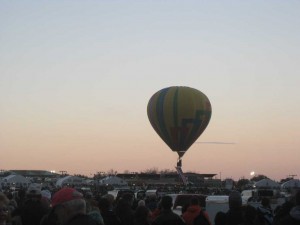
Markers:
69,206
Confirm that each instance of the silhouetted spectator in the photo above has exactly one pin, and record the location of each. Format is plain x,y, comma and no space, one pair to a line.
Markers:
124,209
142,215
282,211
106,208
293,218
194,210
94,211
220,218
167,216
234,216
249,215
33,209
264,213
156,212
151,202
70,208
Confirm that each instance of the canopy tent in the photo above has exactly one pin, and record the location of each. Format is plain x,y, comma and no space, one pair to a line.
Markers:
69,181
294,183
16,181
267,183
113,180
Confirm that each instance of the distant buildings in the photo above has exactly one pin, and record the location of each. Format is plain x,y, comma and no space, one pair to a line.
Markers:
121,179
24,178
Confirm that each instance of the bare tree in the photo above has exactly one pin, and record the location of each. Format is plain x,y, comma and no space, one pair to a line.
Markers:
167,171
111,172
153,170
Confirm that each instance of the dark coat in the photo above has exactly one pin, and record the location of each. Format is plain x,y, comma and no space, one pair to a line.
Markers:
293,218
168,217
82,220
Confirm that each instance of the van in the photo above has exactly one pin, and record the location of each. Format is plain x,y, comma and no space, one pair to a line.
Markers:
181,200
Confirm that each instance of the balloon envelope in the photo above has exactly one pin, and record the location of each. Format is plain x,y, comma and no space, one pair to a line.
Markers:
179,115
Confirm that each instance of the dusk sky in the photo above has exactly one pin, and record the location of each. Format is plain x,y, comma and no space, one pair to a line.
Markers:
76,78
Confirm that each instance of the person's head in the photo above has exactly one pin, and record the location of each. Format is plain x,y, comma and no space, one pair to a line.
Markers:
110,198
46,194
34,192
127,198
88,195
68,203
166,202
235,200
4,211
141,203
104,205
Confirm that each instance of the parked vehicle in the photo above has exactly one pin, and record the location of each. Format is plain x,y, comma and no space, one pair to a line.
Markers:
180,200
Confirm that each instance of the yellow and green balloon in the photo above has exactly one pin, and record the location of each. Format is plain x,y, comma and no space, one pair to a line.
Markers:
179,115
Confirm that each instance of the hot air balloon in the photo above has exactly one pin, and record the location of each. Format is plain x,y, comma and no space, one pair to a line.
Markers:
179,115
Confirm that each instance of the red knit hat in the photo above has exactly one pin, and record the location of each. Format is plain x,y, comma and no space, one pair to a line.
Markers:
65,195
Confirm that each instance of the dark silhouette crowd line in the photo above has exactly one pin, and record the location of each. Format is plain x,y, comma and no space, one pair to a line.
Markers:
69,206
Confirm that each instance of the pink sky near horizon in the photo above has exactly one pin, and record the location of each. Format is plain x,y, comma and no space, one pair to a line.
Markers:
75,80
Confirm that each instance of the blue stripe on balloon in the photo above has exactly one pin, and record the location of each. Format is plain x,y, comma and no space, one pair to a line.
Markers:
175,108
160,114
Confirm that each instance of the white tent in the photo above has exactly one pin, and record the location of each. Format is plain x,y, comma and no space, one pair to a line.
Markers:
267,183
15,180
69,181
113,180
294,183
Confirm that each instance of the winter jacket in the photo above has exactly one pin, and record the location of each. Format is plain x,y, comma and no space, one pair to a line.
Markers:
293,218
82,220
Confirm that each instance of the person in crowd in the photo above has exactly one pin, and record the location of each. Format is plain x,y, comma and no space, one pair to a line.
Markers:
156,212
46,198
33,209
151,202
106,208
264,213
94,211
249,215
12,205
124,209
167,216
220,218
282,211
234,216
293,218
70,208
4,209
194,210
142,216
